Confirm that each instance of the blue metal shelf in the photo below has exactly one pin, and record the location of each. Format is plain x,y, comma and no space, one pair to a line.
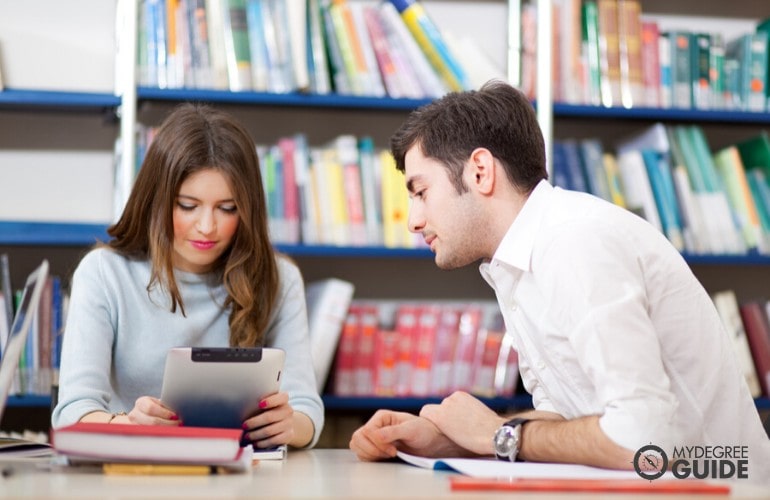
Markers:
29,401
415,403
51,233
289,99
664,115
67,234
56,99
363,403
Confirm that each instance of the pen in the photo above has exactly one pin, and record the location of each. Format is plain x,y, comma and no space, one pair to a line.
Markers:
158,469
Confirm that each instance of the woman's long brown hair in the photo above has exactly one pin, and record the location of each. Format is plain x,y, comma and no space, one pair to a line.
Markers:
194,138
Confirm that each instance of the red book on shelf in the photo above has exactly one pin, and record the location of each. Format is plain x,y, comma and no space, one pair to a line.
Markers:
424,342
443,351
757,325
407,319
385,355
369,323
344,365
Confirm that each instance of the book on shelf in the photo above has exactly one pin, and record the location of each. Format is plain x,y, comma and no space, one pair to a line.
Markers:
328,301
700,70
317,57
750,50
757,325
297,35
106,443
730,168
430,40
729,311
236,44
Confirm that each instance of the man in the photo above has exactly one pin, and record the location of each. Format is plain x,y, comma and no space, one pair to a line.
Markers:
619,344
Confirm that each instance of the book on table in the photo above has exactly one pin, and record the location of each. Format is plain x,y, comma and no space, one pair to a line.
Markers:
87,442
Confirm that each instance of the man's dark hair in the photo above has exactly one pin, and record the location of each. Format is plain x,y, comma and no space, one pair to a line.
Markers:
497,117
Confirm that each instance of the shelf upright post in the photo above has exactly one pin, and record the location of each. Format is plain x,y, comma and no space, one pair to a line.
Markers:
514,42
544,85
125,87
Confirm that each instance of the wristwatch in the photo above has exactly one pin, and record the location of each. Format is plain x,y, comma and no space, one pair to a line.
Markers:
508,438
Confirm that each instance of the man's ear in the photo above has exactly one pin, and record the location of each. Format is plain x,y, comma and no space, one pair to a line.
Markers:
482,170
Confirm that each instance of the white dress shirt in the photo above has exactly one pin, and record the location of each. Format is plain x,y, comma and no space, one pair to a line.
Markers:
609,320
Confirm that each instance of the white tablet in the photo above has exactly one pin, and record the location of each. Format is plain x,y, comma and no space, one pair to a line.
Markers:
219,386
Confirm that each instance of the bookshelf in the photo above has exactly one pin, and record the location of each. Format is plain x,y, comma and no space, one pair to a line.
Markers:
268,116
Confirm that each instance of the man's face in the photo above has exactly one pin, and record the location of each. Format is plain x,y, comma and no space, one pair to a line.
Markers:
448,221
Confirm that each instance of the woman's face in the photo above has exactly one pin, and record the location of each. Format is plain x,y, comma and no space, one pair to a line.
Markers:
205,221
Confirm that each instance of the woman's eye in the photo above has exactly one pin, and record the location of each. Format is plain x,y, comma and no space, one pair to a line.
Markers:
186,207
230,209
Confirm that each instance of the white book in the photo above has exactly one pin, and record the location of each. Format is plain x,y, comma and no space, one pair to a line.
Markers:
327,306
216,36
372,79
296,17
729,311
432,84
638,191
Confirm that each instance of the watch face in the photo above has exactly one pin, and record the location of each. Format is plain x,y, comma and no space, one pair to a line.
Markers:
505,441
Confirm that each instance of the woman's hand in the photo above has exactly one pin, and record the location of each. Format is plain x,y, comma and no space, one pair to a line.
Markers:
274,424
149,411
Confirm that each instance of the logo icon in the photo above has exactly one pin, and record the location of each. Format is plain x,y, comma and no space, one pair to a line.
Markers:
650,462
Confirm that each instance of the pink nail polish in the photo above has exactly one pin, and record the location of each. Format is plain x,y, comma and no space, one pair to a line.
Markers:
263,404
174,417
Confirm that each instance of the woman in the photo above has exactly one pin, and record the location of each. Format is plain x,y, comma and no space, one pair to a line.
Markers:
189,264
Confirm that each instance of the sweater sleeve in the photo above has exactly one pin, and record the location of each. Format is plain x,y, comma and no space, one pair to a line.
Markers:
84,377
288,330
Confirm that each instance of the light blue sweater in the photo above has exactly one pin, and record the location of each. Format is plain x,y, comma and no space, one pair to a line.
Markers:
117,335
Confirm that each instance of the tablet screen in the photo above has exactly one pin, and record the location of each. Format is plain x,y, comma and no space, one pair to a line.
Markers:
219,386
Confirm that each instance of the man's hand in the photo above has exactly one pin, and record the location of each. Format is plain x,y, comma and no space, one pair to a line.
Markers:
388,431
466,421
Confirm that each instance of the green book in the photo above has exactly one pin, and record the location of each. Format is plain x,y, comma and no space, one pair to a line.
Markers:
755,152
750,50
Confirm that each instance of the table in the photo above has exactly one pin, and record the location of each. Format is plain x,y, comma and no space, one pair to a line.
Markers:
321,473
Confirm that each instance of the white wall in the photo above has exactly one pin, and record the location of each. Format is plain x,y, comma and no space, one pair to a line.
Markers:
58,45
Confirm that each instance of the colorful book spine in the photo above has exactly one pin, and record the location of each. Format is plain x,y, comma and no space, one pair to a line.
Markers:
430,40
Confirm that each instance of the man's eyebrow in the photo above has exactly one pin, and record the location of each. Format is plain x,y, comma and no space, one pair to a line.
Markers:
410,183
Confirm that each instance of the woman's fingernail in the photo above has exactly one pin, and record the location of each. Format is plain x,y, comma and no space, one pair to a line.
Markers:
263,404
174,417
245,426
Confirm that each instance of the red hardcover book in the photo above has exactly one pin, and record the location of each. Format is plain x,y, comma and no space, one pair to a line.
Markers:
444,349
385,355
470,321
757,326
651,63
344,366
148,443
369,323
422,350
407,318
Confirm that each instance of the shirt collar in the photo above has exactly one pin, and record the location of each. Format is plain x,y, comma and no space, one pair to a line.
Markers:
516,247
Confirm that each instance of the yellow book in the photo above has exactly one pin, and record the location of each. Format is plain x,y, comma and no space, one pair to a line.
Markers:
395,204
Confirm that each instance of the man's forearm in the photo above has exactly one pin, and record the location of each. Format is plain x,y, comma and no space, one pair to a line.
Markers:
578,441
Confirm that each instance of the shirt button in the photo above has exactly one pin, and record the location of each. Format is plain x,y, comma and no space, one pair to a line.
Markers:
541,365
514,306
